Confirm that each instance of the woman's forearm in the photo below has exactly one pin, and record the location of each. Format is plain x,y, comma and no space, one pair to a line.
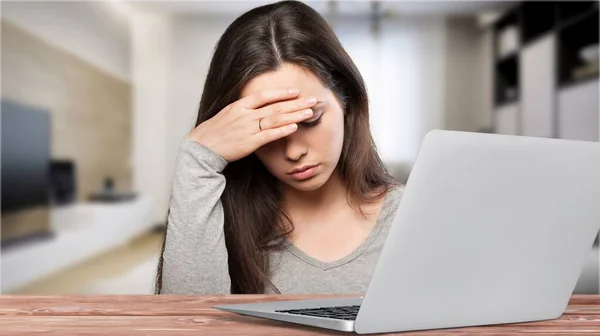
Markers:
195,256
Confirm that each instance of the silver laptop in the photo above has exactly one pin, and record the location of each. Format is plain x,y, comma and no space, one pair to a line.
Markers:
491,229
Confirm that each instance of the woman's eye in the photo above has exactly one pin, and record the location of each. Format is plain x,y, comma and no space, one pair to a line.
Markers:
313,123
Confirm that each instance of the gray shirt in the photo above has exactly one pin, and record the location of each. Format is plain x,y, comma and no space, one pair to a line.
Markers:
195,256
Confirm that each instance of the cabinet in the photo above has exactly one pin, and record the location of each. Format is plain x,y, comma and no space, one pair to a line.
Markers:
578,112
506,119
537,88
546,70
90,229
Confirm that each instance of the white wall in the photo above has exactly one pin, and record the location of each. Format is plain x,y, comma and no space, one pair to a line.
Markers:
485,67
150,36
463,87
170,60
408,100
422,72
191,46
413,85
93,31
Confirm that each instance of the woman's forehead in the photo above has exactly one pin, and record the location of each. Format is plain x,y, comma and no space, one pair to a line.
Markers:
287,76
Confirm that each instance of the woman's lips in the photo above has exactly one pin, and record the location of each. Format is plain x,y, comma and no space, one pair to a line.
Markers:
305,174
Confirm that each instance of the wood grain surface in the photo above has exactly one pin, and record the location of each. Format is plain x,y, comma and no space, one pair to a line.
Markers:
192,315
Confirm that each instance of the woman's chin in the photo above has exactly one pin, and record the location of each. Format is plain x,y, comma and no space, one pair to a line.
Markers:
310,184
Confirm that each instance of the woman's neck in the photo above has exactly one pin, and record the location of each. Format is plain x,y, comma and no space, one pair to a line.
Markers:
321,202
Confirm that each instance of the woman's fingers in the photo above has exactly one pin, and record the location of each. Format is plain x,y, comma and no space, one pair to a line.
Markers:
283,113
285,107
279,120
272,134
262,98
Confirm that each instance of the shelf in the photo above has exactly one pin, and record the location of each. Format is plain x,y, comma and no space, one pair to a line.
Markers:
507,80
506,34
517,94
571,39
506,58
510,18
575,82
88,229
507,102
577,112
575,20
538,18
569,12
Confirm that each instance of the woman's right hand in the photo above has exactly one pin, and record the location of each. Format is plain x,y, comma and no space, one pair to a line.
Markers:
235,132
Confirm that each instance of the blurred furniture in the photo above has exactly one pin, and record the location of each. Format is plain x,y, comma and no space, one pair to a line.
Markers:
90,109
110,195
546,81
578,112
506,119
589,282
25,169
546,70
192,314
63,182
81,231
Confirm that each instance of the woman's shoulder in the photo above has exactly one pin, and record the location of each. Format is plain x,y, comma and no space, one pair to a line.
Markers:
397,190
394,193
392,198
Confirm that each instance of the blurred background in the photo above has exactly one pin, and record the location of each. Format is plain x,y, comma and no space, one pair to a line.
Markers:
96,97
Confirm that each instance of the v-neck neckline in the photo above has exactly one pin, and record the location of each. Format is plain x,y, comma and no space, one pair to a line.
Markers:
381,219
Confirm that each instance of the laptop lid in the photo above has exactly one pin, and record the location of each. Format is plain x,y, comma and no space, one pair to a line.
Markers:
491,229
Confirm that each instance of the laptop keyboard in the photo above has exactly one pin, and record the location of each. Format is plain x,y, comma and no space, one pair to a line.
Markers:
339,313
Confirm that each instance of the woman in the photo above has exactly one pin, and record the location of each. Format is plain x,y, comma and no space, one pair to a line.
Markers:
279,188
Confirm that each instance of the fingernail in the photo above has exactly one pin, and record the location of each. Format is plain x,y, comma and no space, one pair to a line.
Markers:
291,127
294,91
311,100
307,113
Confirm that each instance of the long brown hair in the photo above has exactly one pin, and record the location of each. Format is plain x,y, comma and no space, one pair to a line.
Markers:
258,42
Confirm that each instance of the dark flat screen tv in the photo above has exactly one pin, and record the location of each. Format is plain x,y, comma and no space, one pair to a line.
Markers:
25,156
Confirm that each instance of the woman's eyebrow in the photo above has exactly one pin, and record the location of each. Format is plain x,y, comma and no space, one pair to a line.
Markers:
319,109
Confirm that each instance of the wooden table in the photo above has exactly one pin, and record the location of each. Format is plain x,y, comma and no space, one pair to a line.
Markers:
192,315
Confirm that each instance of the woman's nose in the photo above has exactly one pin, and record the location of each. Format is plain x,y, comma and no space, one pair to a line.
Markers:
295,148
